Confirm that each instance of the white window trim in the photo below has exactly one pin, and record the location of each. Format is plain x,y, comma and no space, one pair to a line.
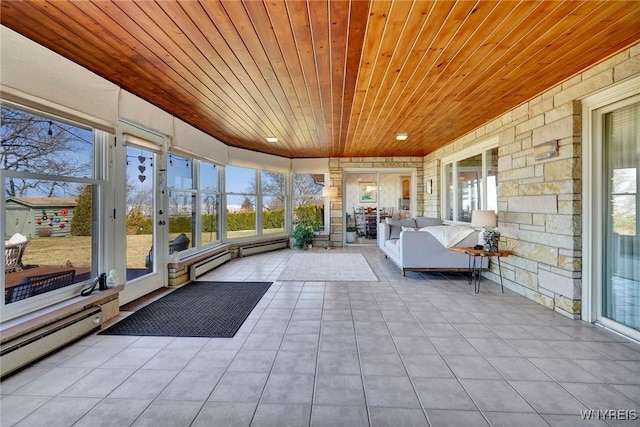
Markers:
592,219
291,206
217,193
259,195
129,133
102,167
479,148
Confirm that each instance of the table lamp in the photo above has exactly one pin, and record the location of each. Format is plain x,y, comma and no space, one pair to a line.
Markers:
488,237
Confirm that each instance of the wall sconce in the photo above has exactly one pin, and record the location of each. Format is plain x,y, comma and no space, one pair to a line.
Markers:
546,150
330,191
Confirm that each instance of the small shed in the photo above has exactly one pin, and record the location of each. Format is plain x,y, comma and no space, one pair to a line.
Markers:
40,216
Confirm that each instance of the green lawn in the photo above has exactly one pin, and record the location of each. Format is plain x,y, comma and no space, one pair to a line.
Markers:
76,250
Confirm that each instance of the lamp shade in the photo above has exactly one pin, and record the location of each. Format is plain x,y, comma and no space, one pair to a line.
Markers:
483,218
330,191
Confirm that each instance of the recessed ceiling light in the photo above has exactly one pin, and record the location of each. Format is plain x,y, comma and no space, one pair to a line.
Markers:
402,137
272,139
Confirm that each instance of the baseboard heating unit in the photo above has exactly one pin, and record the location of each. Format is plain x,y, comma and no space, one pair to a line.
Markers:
198,269
260,247
19,352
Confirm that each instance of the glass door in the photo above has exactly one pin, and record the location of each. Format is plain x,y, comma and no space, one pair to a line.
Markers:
371,197
145,221
620,293
361,203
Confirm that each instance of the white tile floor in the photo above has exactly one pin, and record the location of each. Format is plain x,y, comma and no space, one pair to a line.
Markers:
405,351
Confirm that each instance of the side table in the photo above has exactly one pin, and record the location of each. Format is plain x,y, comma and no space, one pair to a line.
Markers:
474,272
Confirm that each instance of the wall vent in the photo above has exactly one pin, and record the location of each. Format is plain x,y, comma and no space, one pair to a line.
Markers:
198,269
25,349
260,247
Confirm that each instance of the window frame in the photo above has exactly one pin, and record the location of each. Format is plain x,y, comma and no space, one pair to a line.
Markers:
259,195
257,203
101,221
197,191
193,190
260,199
216,193
326,202
594,107
453,160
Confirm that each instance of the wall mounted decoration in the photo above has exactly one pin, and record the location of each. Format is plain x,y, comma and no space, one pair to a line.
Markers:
368,192
428,185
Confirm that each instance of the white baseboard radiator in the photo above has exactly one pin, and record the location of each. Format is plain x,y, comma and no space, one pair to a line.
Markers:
198,269
25,349
251,249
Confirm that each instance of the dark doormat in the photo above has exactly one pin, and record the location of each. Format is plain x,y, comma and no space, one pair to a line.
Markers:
199,309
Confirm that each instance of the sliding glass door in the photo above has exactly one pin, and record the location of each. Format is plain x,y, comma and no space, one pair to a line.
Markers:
620,293
371,197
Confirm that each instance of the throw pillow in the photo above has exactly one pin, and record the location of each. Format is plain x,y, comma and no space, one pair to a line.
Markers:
395,226
409,228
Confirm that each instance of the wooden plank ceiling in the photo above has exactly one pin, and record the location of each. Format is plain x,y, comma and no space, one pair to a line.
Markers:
332,78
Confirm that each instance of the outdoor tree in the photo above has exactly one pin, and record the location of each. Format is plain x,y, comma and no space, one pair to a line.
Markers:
305,189
139,198
247,205
137,223
81,223
41,146
274,186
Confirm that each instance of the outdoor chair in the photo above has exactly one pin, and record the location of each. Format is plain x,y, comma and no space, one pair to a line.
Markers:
13,252
39,284
180,243
361,223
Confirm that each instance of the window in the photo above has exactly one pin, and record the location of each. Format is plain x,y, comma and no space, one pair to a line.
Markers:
209,203
241,202
470,182
51,169
194,201
274,190
308,202
256,202
182,197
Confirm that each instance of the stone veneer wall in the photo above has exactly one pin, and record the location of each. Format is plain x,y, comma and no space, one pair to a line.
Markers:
379,164
540,202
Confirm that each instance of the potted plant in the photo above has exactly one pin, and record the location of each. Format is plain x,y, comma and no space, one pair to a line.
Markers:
352,233
303,232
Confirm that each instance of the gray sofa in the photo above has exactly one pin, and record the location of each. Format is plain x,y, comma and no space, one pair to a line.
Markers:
420,250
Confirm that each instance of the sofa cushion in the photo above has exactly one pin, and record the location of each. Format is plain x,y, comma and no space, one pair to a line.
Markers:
395,226
392,246
423,221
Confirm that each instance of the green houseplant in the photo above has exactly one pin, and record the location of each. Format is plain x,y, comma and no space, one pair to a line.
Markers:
303,232
352,233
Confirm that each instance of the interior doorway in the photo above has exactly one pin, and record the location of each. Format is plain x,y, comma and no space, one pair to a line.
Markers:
371,197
